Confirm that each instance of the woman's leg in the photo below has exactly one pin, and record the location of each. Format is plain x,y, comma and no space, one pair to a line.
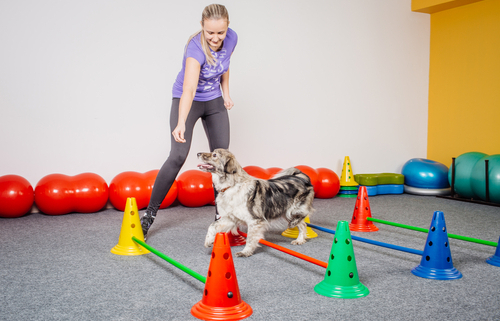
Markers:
168,172
216,125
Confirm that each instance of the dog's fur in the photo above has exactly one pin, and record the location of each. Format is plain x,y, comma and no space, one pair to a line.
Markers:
243,199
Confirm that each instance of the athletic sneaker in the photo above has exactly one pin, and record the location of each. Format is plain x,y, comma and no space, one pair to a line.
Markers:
146,221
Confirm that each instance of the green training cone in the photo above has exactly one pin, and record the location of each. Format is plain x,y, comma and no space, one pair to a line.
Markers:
341,277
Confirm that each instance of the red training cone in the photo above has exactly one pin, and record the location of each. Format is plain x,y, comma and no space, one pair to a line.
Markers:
221,297
362,210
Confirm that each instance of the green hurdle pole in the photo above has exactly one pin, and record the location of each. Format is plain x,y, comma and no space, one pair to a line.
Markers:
453,236
169,260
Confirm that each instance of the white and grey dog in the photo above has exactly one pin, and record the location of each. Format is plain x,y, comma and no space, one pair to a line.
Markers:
243,199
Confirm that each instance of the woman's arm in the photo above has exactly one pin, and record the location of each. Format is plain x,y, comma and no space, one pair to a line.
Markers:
191,78
228,103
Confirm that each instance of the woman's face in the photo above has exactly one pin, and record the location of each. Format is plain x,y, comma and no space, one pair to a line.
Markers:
215,31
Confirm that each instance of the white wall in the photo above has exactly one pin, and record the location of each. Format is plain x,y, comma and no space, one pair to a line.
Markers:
85,86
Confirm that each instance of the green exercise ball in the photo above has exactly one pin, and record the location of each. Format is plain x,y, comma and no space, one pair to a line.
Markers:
478,178
463,170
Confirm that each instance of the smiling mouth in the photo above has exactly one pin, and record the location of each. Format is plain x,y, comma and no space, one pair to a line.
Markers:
206,167
215,44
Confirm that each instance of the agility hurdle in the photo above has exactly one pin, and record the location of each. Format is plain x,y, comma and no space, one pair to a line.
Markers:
361,239
197,276
419,229
293,253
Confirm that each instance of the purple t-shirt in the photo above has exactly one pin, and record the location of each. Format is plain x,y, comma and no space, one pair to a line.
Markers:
209,82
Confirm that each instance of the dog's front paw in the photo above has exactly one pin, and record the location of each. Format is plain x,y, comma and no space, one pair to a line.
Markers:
210,237
243,254
298,242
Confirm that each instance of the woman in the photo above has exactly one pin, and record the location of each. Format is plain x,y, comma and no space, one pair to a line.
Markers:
197,94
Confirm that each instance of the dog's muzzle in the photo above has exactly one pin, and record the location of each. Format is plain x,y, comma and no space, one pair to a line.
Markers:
206,167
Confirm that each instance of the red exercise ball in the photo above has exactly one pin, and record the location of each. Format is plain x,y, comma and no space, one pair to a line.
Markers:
138,186
257,172
57,194
195,188
261,173
273,171
328,183
16,196
311,172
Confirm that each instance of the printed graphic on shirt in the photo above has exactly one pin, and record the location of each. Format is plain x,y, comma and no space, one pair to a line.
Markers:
208,71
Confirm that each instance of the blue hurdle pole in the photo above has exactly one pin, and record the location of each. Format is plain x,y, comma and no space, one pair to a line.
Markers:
357,238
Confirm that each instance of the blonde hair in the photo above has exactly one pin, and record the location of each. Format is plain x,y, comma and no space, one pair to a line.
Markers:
213,11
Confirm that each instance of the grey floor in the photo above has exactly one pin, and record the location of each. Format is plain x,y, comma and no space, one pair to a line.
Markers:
61,268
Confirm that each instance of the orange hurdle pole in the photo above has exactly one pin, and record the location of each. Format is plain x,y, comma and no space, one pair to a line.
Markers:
293,253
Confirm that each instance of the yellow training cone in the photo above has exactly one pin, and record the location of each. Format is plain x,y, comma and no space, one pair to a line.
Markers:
131,226
294,232
347,176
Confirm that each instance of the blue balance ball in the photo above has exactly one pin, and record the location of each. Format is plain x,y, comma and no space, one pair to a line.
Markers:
425,173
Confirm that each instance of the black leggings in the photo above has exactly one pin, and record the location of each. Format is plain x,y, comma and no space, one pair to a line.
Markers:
216,124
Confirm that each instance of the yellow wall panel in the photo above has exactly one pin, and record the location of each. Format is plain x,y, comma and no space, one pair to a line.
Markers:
464,81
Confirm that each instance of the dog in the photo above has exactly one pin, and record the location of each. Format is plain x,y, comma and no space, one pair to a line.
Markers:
243,199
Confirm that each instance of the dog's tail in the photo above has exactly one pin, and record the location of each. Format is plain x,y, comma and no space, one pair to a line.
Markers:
292,171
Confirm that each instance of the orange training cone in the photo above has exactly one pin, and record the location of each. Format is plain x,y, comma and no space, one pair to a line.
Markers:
131,226
221,297
294,232
362,210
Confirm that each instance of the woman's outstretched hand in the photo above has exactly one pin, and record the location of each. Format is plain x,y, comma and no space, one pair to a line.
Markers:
178,133
228,103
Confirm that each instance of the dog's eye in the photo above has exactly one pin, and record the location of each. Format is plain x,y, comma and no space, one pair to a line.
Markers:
214,155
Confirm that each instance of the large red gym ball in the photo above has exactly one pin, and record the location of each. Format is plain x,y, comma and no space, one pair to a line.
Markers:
16,196
311,172
273,171
257,172
195,188
57,194
328,183
139,186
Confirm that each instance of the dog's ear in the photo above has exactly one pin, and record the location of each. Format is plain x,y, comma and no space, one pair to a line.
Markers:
230,167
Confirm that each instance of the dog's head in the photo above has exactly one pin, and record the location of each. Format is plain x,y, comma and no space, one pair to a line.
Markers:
220,161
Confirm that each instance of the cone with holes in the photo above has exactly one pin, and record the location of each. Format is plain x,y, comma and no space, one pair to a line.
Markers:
347,176
131,226
436,261
294,232
362,210
495,259
221,297
341,277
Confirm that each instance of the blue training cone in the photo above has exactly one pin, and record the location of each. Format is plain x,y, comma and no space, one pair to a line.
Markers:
436,262
495,259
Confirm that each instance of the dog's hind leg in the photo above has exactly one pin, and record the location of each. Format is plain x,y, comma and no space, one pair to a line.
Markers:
301,239
223,225
255,233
